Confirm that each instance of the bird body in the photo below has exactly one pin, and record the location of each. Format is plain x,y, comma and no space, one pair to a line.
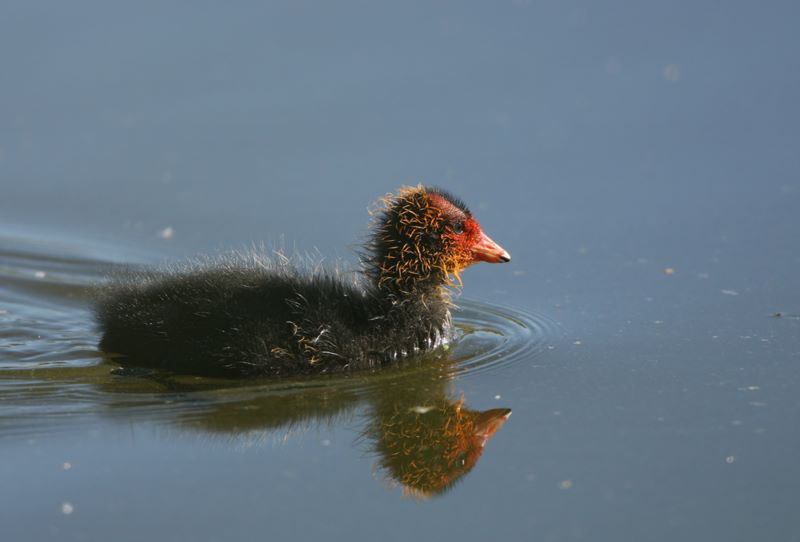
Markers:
246,317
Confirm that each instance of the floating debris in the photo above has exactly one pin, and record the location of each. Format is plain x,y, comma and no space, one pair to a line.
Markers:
167,233
669,270
730,292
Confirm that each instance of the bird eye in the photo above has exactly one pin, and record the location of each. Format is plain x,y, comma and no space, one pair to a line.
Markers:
458,228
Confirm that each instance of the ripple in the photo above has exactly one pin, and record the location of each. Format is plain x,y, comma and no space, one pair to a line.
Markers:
495,336
43,389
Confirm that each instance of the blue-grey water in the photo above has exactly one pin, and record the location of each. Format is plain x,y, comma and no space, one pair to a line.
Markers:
639,160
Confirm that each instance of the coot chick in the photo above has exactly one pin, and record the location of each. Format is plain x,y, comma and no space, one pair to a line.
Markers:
239,319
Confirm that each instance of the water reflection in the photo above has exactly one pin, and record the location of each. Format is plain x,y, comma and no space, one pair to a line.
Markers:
427,449
422,436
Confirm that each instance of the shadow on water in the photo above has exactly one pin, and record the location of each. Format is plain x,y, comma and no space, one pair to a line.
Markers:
423,435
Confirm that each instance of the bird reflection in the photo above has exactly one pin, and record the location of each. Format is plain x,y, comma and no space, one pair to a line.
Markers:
426,449
423,438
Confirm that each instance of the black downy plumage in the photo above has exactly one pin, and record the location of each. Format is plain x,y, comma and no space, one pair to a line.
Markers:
248,317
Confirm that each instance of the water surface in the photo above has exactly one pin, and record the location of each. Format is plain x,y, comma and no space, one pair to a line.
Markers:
639,162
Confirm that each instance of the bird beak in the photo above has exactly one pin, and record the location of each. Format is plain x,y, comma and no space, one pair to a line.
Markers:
486,250
488,422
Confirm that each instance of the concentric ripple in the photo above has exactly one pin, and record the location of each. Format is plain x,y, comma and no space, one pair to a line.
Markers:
495,336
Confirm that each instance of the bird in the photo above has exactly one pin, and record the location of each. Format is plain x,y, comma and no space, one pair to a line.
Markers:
251,317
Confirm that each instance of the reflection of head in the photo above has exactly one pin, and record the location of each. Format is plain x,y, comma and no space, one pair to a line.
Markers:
427,449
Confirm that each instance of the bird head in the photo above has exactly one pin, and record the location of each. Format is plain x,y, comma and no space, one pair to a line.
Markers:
425,237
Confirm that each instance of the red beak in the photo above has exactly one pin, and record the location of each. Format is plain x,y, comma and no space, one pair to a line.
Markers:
486,250
488,422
